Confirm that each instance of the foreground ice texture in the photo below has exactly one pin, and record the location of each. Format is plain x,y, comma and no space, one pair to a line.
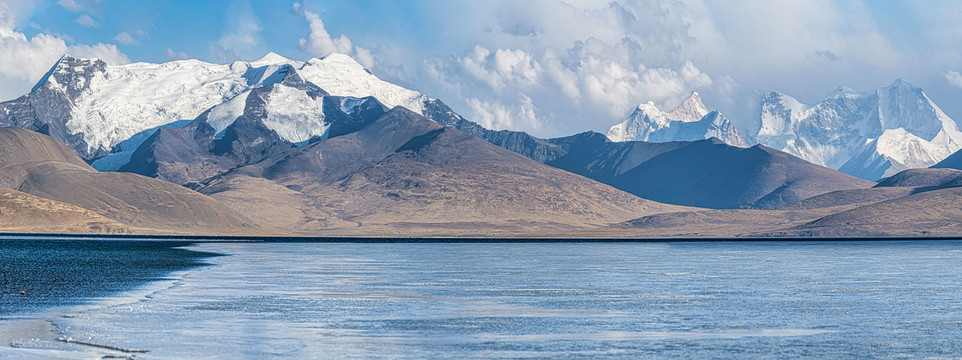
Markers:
693,300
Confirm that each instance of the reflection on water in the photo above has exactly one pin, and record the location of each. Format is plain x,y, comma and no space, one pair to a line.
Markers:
57,272
569,300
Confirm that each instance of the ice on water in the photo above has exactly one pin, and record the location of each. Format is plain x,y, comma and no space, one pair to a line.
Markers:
690,300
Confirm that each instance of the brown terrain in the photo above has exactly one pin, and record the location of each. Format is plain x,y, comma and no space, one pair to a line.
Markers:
36,164
916,202
21,212
406,175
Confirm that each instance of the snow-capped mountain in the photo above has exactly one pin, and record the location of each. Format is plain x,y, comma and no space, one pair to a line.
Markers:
690,121
869,135
98,109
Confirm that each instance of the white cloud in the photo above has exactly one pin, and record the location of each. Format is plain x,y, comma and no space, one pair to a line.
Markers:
70,5
12,12
106,52
241,39
23,60
319,43
501,67
77,6
125,38
497,116
591,82
364,57
176,55
86,21
589,61
954,78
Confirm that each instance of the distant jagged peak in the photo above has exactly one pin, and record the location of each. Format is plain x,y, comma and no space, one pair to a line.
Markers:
690,110
842,91
341,75
690,121
901,83
64,74
648,108
271,58
341,58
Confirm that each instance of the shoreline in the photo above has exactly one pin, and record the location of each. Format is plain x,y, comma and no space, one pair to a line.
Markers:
451,239
40,334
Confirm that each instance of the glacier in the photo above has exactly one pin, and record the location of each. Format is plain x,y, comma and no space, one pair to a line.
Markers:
870,135
100,106
105,112
690,121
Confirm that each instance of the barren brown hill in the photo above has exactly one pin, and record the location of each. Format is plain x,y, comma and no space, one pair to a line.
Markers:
38,165
712,223
935,212
854,197
404,174
20,212
926,177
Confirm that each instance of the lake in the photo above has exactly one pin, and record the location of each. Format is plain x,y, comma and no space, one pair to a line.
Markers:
514,300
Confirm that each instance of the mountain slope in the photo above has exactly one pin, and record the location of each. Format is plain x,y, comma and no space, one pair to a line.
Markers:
933,212
38,165
93,107
405,174
20,212
869,135
249,128
690,121
924,178
711,174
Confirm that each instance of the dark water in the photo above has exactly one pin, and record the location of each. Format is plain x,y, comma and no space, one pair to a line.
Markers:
56,272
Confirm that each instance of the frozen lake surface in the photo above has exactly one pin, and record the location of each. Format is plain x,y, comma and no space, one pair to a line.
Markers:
559,300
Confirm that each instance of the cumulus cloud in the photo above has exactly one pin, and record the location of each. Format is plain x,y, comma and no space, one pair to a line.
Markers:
591,81
125,38
24,60
498,116
86,21
106,52
585,63
954,78
12,12
319,43
176,55
500,67
241,38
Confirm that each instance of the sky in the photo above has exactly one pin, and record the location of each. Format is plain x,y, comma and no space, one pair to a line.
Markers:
551,68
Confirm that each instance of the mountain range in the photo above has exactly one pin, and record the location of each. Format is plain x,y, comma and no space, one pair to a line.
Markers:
688,122
870,135
325,147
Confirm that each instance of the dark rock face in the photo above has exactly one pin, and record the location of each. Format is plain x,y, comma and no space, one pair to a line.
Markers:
194,153
179,155
540,150
47,108
362,112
